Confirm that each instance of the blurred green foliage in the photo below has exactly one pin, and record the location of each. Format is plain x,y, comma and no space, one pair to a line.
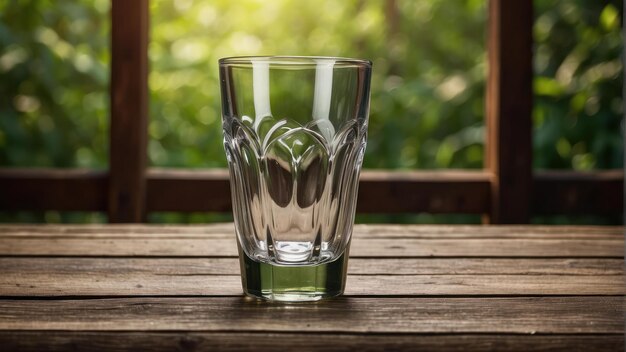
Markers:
427,90
54,74
427,86
578,85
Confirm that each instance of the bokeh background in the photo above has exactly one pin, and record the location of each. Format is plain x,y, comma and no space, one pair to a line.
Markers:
428,85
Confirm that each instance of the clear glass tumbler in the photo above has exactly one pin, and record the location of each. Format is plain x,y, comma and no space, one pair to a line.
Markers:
295,130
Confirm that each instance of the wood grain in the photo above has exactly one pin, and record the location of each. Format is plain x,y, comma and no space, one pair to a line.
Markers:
128,138
369,240
541,315
31,277
368,285
364,247
237,341
358,266
114,287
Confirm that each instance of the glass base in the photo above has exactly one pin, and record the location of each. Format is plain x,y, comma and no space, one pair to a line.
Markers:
293,283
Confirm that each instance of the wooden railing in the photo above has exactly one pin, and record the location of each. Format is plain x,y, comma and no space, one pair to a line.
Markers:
506,191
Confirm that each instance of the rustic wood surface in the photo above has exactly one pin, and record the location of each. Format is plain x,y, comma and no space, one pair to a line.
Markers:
524,315
374,241
454,288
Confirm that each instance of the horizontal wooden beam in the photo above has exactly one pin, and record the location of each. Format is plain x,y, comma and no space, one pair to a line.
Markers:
379,191
567,192
187,190
53,189
465,192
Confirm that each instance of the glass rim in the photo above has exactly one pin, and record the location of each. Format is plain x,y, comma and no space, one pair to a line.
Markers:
292,61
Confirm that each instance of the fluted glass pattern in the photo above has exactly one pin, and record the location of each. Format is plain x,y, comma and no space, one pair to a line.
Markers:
294,133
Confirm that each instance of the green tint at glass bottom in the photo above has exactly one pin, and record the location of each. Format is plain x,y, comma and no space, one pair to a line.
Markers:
293,283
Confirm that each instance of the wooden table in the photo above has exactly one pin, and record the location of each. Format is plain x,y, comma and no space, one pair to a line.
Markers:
142,287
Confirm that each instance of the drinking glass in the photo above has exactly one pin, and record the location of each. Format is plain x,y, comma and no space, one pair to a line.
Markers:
295,130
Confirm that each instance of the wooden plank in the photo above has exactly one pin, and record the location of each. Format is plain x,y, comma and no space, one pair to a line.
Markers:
508,110
487,247
484,232
598,192
54,285
358,266
484,266
121,230
237,341
433,192
129,110
188,190
379,191
179,277
365,247
52,189
524,315
382,231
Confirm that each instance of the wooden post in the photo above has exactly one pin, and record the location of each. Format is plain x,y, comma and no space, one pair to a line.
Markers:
508,109
129,110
